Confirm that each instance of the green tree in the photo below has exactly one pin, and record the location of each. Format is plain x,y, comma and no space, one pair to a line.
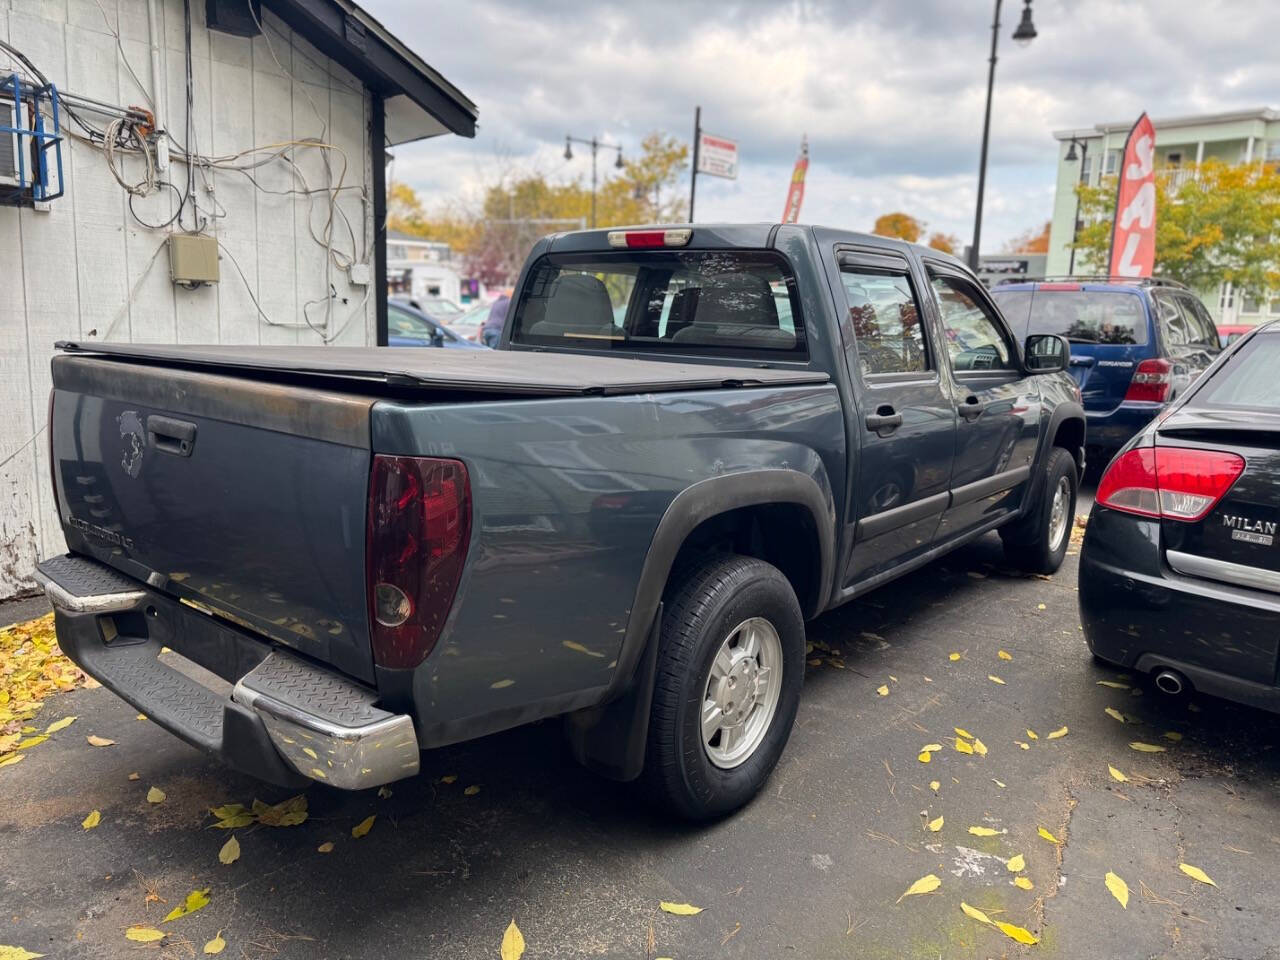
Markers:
1219,224
903,226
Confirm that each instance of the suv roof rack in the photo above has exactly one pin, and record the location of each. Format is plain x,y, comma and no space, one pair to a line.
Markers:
1098,278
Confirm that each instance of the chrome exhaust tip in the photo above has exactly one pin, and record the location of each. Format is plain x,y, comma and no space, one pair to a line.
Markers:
1170,682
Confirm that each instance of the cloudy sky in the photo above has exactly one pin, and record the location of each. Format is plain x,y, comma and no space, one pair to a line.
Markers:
890,93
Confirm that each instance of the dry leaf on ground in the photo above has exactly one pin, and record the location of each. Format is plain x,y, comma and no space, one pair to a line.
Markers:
1195,873
363,827
216,945
994,679
60,725
1016,864
1119,889
1146,747
1058,734
926,884
1116,775
95,741
883,690
1023,883
230,851
92,820
142,934
679,909
983,831
1048,836
935,825
17,953
512,943
1014,932
195,900
155,795
326,847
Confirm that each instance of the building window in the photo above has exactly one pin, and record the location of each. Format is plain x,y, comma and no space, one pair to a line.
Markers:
1086,169
1173,159
1272,150
1226,297
395,251
1112,163
1249,303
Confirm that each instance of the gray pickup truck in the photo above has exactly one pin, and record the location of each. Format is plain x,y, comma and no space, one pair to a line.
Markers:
691,441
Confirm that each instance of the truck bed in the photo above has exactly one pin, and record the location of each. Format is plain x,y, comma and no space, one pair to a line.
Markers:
510,373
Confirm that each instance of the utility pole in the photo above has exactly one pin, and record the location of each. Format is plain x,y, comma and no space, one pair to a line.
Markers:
595,144
697,140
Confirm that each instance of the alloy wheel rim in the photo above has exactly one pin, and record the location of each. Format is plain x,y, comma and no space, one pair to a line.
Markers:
741,693
1058,513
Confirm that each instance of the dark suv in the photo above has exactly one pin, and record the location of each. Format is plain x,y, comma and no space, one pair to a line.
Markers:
1135,345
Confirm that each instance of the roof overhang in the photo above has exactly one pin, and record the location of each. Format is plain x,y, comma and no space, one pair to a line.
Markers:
1265,114
419,102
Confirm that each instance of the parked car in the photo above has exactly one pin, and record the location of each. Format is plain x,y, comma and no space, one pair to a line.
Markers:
437,308
1180,568
623,525
468,323
409,327
1229,333
1135,346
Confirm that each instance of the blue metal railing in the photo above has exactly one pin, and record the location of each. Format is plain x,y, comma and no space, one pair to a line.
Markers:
32,143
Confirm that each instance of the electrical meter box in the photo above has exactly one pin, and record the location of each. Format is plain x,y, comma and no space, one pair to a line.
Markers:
193,259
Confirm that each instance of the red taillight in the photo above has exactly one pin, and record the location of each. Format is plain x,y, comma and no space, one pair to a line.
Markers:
1151,381
1173,483
419,528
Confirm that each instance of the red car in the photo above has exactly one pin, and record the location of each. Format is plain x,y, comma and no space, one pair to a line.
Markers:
1231,332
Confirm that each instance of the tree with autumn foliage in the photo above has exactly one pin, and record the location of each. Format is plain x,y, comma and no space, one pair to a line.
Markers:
1220,224
1035,240
946,242
901,226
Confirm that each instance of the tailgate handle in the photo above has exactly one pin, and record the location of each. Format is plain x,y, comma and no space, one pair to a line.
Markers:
171,436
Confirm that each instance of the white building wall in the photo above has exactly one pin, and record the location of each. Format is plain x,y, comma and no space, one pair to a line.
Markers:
87,269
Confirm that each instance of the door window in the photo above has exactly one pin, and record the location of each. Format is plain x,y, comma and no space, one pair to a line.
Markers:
975,340
886,321
1203,331
404,324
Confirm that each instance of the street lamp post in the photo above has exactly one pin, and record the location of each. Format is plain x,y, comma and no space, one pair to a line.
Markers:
596,145
1075,223
1025,33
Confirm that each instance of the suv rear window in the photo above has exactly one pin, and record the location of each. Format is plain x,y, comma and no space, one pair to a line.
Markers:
716,303
1082,316
1248,381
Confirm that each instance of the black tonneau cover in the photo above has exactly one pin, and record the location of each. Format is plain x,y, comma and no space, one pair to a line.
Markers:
488,371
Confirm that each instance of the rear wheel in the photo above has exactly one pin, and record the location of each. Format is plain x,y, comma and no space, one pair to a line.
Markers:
730,668
1038,542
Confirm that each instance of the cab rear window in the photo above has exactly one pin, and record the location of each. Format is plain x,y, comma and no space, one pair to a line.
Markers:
1082,316
715,303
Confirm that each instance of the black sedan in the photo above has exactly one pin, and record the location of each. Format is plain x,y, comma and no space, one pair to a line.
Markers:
1180,568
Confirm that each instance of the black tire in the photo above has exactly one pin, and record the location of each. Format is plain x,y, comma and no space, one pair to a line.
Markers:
1027,543
703,604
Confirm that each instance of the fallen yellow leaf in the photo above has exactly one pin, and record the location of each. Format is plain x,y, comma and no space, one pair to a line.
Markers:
92,820
579,648
963,733
1058,734
1146,747
1022,745
1172,735
679,909
883,690
30,742
60,725
1004,655
227,810
963,746
1022,883
1048,836
326,847
363,827
1119,889
934,785
979,747
141,716
953,656
999,783
236,821
1113,684
501,684
230,851
17,953
155,795
1031,735
1195,873
512,942
1114,714
974,912
1040,606
926,884
925,756
935,825
135,776
99,741
471,791
994,679
983,831
196,900
11,759
216,945
286,813
1116,775
930,747
143,934
1016,864
1008,929
451,778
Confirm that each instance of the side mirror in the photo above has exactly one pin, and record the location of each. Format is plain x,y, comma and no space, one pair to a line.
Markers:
1047,353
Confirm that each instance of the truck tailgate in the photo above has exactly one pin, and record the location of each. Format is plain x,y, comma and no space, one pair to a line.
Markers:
245,497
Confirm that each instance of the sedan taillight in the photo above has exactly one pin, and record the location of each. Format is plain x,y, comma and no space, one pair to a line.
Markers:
1172,483
419,529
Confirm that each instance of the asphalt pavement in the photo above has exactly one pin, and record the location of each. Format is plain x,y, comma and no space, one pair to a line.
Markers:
813,868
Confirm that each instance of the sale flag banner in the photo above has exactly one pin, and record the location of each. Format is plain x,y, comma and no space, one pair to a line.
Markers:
1133,236
795,195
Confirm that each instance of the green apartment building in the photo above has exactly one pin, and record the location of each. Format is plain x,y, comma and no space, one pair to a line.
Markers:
1092,154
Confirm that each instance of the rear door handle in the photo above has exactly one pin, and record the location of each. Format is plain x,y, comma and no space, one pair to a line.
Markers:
167,435
884,421
972,408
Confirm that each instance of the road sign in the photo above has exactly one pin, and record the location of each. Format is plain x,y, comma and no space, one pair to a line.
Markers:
717,156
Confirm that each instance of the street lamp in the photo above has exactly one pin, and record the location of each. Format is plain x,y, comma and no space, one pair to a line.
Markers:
1071,157
1025,33
596,145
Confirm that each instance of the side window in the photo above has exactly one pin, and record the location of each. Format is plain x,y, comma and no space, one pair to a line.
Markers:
885,319
406,324
975,340
1173,323
1199,323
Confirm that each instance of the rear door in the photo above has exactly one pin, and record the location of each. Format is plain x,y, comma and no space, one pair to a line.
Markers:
905,419
246,497
996,403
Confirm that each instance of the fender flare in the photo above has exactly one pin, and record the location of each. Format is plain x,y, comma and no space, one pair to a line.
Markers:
700,502
1066,410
